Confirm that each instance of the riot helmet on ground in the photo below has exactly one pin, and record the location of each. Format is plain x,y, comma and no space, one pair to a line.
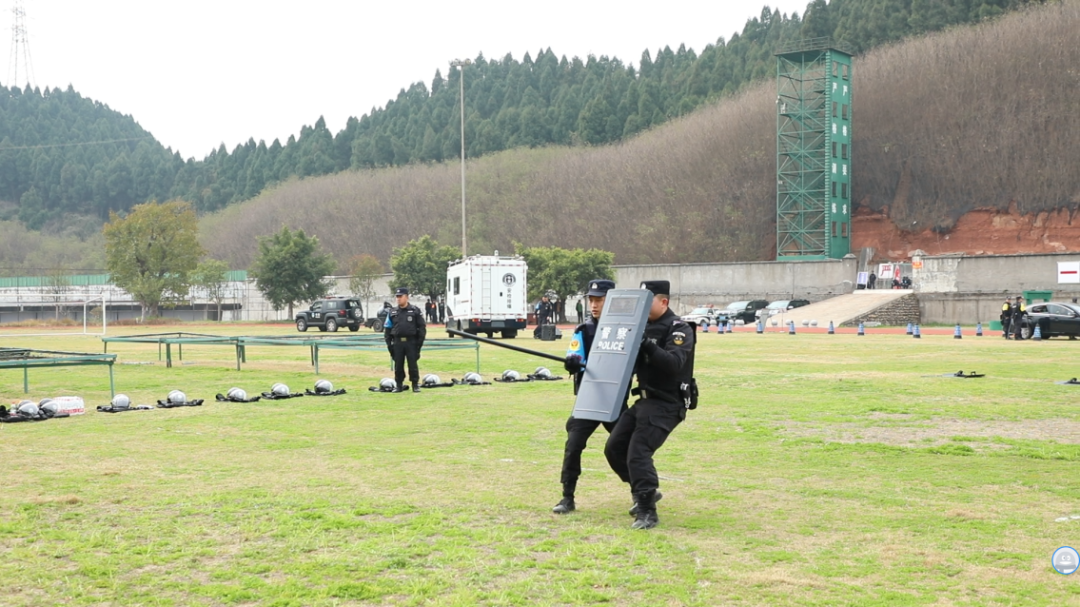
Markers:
511,375
280,389
386,384
177,397
49,406
121,401
431,379
323,386
28,407
473,377
543,372
238,394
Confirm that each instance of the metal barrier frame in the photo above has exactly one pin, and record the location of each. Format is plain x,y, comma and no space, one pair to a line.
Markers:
374,341
25,358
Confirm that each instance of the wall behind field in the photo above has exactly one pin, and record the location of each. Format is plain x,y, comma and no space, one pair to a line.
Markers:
695,284
950,288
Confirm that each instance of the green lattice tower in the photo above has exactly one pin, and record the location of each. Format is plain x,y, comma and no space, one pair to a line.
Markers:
813,150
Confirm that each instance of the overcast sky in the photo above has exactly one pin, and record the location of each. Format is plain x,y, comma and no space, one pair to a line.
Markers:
200,73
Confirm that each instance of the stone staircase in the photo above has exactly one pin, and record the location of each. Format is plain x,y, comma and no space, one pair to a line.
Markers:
899,312
847,310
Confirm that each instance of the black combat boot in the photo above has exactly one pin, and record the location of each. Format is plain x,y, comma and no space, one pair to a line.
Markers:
646,517
566,504
634,509
398,388
415,387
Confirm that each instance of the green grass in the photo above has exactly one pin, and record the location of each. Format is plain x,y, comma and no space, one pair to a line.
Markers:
818,470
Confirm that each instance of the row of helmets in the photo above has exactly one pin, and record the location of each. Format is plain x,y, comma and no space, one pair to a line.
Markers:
471,378
177,397
31,409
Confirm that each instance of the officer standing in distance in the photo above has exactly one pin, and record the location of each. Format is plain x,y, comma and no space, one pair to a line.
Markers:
1019,311
664,370
578,431
405,333
1006,318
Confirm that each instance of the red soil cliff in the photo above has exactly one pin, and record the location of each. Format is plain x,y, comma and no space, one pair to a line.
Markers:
979,232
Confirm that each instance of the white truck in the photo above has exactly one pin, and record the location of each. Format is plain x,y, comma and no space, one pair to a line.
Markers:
487,294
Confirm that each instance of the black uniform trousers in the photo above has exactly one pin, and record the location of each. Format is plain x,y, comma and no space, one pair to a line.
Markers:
640,431
1016,325
405,348
578,432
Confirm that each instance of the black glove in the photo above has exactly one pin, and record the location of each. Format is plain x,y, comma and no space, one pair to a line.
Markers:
648,346
572,364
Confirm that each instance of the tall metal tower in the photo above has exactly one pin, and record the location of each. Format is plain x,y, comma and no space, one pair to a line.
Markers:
20,49
813,150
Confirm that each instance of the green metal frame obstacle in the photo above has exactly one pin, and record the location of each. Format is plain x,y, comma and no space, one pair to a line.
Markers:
373,341
25,358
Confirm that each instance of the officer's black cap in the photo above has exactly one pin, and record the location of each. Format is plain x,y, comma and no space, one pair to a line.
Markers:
402,291
1019,297
658,287
600,287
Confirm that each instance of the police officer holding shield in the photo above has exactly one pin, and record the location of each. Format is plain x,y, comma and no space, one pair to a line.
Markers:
579,430
405,333
664,370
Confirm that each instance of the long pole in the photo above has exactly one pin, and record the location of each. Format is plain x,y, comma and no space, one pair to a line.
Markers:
485,340
461,78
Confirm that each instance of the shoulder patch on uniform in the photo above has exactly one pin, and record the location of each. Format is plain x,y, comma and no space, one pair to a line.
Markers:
678,337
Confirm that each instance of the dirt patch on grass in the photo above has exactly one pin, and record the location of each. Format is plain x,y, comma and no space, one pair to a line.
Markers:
903,431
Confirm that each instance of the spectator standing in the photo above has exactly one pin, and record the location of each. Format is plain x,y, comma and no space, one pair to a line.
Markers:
871,280
580,313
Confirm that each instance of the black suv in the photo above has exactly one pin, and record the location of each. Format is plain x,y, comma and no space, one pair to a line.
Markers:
329,314
745,311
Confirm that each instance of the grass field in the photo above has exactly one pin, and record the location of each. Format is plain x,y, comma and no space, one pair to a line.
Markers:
818,470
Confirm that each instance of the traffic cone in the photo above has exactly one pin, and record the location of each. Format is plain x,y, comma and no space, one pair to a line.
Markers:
915,333
760,326
791,327
909,329
832,330
862,331
957,334
978,330
1037,334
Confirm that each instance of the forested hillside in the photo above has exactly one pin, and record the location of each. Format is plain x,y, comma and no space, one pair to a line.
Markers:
973,117
63,156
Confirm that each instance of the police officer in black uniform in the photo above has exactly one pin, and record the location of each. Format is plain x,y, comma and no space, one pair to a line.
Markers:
405,333
1006,318
1019,311
578,431
664,371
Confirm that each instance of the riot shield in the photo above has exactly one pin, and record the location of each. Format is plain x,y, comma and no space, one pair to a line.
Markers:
611,358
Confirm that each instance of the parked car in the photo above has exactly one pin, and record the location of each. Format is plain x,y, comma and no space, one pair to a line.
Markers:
782,305
1053,319
330,313
745,311
703,316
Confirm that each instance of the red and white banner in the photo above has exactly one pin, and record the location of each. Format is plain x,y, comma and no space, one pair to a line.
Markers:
1068,272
